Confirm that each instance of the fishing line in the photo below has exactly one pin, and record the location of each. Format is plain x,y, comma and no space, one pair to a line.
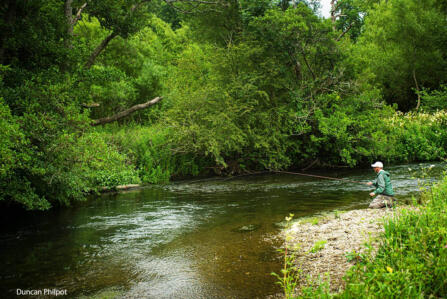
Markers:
320,176
277,171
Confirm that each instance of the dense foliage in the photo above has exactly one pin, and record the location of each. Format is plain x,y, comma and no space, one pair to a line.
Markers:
247,85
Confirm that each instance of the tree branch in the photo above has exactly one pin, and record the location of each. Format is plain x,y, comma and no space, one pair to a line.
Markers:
71,21
91,60
78,14
337,5
125,113
99,49
345,31
90,105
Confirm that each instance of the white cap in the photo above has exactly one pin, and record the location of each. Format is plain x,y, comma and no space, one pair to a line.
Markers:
377,164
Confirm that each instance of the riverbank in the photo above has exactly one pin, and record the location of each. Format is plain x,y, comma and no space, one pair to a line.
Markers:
331,244
394,253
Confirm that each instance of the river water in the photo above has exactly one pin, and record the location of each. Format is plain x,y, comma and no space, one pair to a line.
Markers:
213,238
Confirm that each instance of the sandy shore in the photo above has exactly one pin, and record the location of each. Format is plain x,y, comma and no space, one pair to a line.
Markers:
323,242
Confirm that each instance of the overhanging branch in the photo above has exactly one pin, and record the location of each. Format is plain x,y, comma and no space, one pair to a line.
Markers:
345,31
78,14
125,113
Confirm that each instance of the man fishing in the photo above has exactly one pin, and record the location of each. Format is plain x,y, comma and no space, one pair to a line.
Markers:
384,189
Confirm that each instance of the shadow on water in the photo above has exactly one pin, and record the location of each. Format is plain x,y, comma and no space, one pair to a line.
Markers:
209,239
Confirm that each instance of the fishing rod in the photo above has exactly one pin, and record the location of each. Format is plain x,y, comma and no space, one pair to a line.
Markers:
320,176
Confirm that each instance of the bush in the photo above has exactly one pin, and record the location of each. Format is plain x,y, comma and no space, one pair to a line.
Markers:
434,100
153,152
89,163
416,137
16,158
48,155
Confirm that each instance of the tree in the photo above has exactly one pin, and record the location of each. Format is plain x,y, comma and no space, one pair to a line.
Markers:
72,19
348,16
303,42
250,104
32,34
121,18
124,18
403,46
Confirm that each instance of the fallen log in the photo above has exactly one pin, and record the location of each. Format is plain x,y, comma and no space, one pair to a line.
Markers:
125,113
90,105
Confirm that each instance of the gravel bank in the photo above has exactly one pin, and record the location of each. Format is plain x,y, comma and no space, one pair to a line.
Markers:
323,242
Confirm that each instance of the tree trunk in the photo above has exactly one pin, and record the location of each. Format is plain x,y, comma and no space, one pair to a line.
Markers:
71,21
99,49
69,16
333,16
418,91
125,113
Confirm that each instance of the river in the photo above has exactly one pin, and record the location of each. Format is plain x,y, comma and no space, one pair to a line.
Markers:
213,238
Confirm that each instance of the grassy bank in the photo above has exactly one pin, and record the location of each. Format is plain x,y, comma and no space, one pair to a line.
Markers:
411,260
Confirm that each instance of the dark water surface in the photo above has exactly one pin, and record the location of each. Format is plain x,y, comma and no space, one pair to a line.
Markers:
206,239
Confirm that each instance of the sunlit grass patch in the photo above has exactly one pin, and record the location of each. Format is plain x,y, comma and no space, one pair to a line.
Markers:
318,246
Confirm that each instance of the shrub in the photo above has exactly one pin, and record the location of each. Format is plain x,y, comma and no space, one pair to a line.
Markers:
434,100
153,152
416,137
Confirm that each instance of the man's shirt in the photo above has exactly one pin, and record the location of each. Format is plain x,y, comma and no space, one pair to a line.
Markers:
383,184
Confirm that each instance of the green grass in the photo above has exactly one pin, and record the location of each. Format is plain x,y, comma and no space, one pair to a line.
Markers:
319,245
312,220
